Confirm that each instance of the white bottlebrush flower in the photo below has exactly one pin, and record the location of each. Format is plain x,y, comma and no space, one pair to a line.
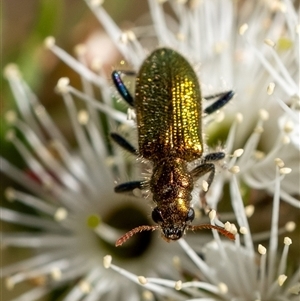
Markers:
72,192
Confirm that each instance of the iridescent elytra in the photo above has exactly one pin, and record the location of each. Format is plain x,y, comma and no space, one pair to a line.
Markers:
168,109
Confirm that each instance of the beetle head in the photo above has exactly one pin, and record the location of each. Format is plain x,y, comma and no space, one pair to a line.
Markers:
173,225
172,231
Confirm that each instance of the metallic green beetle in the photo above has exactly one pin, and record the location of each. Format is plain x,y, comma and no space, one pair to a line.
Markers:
169,122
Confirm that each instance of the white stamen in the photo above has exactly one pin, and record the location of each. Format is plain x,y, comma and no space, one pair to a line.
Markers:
295,289
259,155
49,42
281,279
285,140
243,29
227,226
249,210
148,296
142,280
212,214
137,192
204,185
124,38
289,126
96,64
178,285
56,274
9,283
83,117
180,36
85,286
233,229
80,49
220,116
279,162
239,117
287,241
223,288
234,169
238,152
261,249
11,117
61,214
176,262
258,130
181,1
285,170
131,114
12,71
10,194
270,89
243,230
263,114
107,261
63,85
96,3
269,42
131,35
290,226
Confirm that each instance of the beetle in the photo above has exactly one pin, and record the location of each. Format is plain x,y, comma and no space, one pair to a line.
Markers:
168,110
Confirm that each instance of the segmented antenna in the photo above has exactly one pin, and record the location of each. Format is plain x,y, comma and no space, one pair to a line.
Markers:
136,230
221,230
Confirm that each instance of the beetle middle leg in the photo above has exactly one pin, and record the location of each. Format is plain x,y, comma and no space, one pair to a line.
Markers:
130,186
121,141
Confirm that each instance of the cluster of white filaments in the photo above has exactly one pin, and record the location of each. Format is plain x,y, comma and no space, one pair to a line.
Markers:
72,191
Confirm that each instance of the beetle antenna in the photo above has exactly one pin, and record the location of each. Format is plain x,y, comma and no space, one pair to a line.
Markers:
221,230
130,233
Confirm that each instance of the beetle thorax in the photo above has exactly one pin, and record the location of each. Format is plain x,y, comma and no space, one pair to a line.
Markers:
171,185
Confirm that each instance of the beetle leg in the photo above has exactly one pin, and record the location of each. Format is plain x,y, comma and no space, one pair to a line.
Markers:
120,86
200,171
124,143
219,103
130,186
214,157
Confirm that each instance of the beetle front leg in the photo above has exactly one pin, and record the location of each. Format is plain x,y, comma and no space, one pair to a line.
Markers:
200,171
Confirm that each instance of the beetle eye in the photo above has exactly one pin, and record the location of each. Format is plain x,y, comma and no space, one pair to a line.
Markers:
190,215
156,216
